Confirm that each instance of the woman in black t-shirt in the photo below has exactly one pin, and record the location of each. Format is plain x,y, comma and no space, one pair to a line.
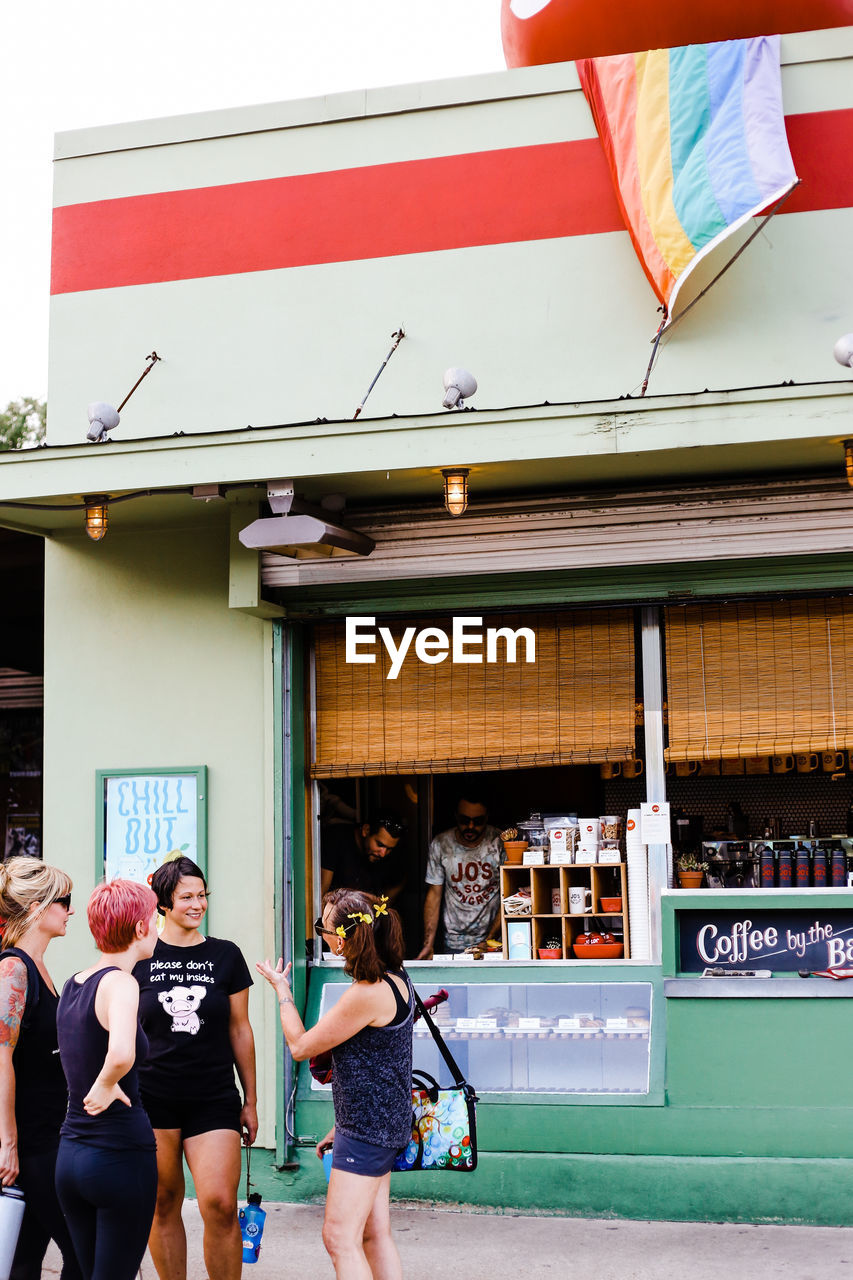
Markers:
35,903
194,1009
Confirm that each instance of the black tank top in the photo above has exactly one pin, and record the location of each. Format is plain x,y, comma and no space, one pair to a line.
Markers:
40,1093
83,1047
402,1005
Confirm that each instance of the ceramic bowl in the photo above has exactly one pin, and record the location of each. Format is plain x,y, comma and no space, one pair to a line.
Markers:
611,906
598,950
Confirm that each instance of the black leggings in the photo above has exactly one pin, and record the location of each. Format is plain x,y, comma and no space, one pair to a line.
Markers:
108,1199
43,1220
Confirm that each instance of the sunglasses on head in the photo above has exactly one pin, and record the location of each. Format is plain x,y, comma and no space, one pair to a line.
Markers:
64,901
393,826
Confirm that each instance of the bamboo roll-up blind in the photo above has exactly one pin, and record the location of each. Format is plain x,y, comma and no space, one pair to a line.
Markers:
759,679
574,704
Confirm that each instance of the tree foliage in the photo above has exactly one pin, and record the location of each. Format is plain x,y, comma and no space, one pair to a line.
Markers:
22,423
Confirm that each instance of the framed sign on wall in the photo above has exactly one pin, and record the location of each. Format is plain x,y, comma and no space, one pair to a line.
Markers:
144,815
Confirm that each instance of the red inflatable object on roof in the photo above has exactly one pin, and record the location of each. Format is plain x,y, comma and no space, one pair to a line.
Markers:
537,31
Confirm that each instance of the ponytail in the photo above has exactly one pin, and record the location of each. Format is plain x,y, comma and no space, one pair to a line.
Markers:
372,933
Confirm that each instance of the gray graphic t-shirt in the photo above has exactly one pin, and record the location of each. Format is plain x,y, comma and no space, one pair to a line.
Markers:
471,885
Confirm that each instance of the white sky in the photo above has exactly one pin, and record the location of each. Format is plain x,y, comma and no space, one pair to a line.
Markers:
72,63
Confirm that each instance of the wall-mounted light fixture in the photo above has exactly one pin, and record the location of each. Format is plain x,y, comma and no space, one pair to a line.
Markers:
103,417
848,460
97,515
300,529
843,350
456,489
459,386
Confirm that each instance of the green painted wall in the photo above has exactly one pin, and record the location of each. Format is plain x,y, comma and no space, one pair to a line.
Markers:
754,1125
145,665
688,1189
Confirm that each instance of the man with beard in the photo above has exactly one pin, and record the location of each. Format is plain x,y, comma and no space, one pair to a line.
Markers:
463,870
363,857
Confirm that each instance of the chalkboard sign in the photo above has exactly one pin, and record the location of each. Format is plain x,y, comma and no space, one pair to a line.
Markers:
144,815
802,938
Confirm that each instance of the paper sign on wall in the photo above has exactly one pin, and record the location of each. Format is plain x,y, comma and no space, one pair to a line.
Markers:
654,823
149,816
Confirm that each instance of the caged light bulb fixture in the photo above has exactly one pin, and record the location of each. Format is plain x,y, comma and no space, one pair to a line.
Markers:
456,490
97,515
848,460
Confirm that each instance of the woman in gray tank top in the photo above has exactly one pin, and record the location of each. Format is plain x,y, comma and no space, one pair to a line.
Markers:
369,1034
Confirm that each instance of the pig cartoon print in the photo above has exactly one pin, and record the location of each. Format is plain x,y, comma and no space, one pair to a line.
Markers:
181,1004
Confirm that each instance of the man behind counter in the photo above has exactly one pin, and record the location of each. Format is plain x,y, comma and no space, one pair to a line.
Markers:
363,857
463,869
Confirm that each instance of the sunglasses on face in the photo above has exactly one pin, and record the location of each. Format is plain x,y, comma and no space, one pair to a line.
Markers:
470,822
321,930
64,901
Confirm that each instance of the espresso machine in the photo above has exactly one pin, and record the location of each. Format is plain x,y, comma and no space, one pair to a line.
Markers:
732,864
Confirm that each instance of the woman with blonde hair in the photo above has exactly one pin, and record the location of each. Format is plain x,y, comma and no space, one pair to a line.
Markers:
369,1033
106,1170
35,903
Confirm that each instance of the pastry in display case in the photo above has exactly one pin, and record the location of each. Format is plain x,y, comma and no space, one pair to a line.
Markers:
566,1038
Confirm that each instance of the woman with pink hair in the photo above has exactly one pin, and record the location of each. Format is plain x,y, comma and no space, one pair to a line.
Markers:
106,1170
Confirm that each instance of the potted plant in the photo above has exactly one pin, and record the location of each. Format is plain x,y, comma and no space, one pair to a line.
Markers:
551,949
513,847
690,871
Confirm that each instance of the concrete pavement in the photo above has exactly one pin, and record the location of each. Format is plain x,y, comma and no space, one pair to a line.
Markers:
482,1246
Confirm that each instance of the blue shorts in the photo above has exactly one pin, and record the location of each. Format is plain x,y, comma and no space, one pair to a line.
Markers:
352,1156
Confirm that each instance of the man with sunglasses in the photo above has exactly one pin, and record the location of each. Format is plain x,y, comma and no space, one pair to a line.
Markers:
463,881
364,856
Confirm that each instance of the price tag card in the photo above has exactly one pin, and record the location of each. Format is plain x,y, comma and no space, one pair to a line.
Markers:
617,1024
570,1024
529,1024
654,823
466,1024
534,858
485,1024
610,856
561,857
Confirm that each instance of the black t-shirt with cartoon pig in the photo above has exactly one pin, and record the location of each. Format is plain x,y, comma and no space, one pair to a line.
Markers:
185,1009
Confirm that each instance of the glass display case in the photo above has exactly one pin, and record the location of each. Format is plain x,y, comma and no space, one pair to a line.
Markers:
573,1037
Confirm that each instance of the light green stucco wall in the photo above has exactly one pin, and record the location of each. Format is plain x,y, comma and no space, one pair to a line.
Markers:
145,665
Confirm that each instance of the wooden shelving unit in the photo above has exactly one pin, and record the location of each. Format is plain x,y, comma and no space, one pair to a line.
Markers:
609,881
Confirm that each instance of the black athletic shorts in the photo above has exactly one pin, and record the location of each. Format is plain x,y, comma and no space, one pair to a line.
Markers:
194,1115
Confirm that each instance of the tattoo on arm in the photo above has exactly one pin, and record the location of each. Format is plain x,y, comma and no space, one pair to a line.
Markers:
13,997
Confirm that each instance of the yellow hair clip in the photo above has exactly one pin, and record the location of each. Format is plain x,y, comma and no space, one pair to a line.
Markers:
341,931
381,908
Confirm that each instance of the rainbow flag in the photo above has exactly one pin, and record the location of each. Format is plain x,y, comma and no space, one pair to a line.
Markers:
695,138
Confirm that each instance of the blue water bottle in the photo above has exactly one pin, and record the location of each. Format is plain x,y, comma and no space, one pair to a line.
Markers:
252,1220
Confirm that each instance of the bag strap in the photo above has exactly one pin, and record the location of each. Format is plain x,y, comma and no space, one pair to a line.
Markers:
458,1078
